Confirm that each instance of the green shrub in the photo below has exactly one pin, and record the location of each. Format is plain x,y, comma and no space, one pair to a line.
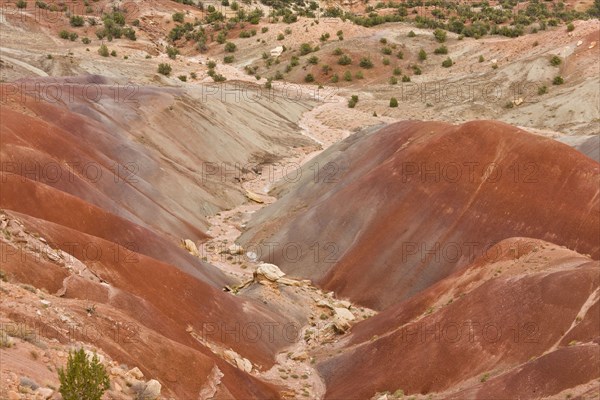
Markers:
264,29
411,34
440,35
228,59
345,60
359,75
570,27
416,70
313,60
76,20
164,69
73,36
383,41
555,61
393,80
542,90
447,63
386,50
348,76
83,379
309,78
211,64
182,78
63,34
441,50
21,4
335,78
400,55
352,102
86,40
558,80
103,51
230,47
481,59
393,102
386,61
172,52
366,62
397,71
113,53
405,78
178,17
305,48
422,55
338,51
280,36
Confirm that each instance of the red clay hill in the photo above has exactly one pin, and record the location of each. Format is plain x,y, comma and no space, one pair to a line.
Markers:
392,211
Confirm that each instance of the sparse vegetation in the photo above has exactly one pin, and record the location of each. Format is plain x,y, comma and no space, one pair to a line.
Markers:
555,61
412,34
351,103
558,80
422,55
393,102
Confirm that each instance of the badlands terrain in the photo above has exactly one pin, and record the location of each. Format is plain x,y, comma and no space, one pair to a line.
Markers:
301,200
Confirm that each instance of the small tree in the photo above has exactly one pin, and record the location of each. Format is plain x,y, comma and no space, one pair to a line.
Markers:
422,55
393,102
447,63
164,69
83,379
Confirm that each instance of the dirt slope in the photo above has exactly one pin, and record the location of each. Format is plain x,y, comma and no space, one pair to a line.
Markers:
515,319
398,209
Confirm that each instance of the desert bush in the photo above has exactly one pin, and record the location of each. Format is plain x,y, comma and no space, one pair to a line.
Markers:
178,17
440,35
164,69
83,379
411,34
447,63
172,52
76,20
309,78
366,62
558,80
344,60
422,55
103,51
441,50
555,61
348,76
393,102
230,47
